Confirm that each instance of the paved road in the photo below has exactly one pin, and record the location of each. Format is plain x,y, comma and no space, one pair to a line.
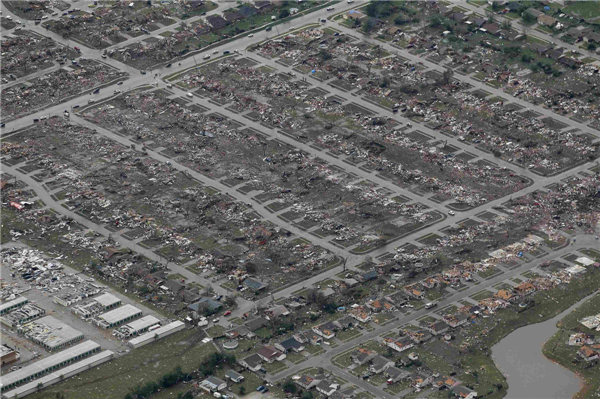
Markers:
583,241
519,26
467,79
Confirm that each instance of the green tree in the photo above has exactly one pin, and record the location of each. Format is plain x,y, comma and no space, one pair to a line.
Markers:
289,387
368,25
242,390
284,14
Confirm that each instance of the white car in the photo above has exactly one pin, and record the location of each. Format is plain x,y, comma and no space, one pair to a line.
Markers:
54,14
216,52
169,85
330,8
9,18
190,95
117,91
451,213
350,1
18,22
207,56
236,51
91,101
43,117
17,28
251,35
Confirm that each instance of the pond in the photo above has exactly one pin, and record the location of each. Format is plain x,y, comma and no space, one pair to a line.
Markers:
530,375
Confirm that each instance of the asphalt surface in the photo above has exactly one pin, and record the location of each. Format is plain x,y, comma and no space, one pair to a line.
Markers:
136,79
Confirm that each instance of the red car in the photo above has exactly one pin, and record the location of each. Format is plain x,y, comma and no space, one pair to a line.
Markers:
227,313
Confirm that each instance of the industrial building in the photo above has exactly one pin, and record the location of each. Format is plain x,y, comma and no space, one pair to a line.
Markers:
48,364
8,354
21,315
50,333
157,334
101,304
117,316
136,327
10,305
58,376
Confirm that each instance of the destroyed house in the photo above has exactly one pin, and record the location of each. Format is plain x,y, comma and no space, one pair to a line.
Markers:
361,313
247,11
174,286
22,315
308,337
326,330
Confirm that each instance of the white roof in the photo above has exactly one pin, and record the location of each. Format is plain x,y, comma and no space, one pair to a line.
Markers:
16,301
107,299
79,366
158,331
584,260
48,362
119,314
144,322
51,331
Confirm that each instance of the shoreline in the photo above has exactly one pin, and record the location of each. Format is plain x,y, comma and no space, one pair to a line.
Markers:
560,316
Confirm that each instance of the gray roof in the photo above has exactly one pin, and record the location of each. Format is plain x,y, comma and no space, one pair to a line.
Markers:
234,375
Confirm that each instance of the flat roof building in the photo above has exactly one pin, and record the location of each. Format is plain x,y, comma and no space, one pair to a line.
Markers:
50,333
97,305
60,375
117,316
15,303
8,354
136,327
157,334
21,315
48,364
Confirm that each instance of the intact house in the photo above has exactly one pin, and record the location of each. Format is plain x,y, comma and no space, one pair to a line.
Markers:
437,328
239,332
205,306
269,354
464,392
308,337
255,285
394,374
234,376
399,345
327,388
216,21
379,364
213,384
307,382
361,356
290,344
257,324
252,362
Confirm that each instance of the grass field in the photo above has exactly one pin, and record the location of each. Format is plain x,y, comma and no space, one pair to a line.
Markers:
148,363
556,349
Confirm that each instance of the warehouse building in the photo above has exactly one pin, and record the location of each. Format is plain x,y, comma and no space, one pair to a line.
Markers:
61,375
136,327
157,334
10,305
50,333
21,315
101,304
117,316
9,355
48,365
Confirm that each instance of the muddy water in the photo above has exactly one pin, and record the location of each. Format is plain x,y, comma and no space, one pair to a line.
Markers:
530,375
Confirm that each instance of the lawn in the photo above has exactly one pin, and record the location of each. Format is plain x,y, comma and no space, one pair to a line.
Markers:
148,363
275,367
556,349
176,276
487,273
215,331
482,295
583,9
348,335
344,360
398,387
295,357
314,349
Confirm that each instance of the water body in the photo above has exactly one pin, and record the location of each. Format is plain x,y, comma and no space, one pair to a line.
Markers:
530,375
